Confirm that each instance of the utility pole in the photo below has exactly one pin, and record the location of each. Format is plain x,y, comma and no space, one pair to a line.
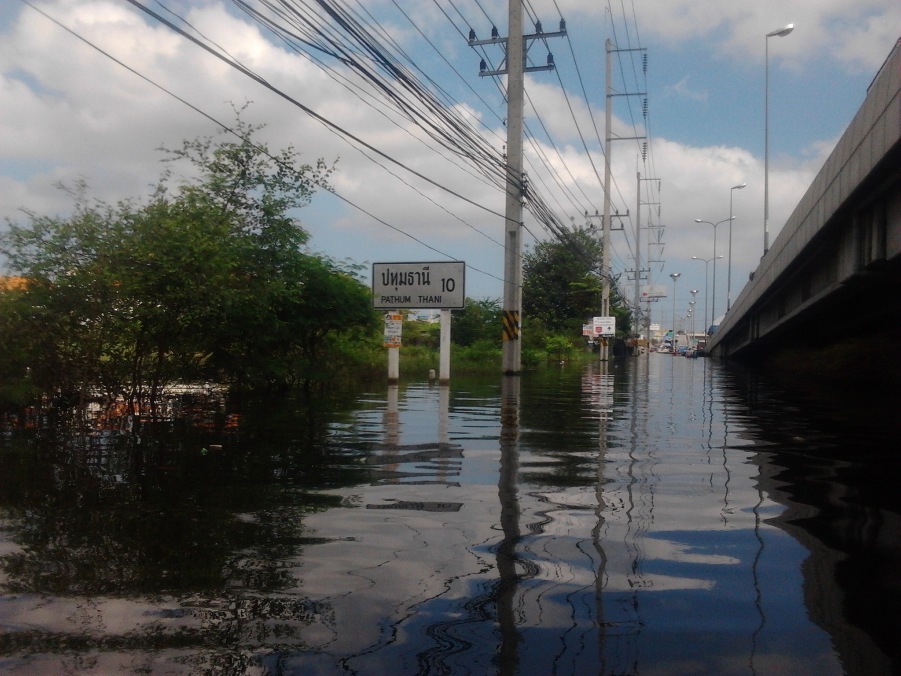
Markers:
638,270
605,296
605,255
516,50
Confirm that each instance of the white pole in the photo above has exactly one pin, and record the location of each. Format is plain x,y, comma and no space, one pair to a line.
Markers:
444,348
605,267
637,295
512,348
393,364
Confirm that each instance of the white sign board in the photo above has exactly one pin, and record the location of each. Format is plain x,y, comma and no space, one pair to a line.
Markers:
419,285
394,325
604,326
653,291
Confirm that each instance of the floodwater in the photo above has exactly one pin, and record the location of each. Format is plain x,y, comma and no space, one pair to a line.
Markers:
661,515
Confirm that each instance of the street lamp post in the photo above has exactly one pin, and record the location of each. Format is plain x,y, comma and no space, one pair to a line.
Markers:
706,261
729,220
674,276
780,33
694,294
729,266
691,314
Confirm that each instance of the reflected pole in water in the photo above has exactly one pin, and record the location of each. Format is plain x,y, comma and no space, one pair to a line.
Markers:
510,516
443,406
392,417
755,573
726,470
600,579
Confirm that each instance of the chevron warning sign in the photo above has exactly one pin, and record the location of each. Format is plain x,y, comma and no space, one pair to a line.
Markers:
511,325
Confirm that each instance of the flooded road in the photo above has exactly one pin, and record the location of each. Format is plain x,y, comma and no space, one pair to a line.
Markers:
657,516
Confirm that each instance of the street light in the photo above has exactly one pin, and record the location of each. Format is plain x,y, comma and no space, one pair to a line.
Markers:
729,220
729,266
705,261
675,276
694,293
780,33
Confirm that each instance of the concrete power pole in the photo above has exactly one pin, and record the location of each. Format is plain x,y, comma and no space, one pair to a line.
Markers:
515,71
512,350
609,138
638,268
605,265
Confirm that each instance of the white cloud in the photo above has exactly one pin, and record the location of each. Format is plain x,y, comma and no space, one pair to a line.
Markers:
69,112
682,90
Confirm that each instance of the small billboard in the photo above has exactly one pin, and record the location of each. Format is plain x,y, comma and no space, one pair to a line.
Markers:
653,291
604,326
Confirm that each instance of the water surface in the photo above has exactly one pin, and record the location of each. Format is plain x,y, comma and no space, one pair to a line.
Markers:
658,516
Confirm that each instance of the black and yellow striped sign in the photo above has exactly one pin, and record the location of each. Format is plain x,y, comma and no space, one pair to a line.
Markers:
511,325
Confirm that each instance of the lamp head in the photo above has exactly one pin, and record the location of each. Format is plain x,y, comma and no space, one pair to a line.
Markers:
739,187
782,32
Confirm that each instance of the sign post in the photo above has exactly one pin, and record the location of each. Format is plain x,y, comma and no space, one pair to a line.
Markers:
603,328
394,322
397,286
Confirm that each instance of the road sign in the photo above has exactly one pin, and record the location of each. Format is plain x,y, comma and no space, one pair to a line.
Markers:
394,324
653,292
419,285
604,326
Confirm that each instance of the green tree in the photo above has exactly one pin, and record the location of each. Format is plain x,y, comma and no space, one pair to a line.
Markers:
207,279
562,284
478,320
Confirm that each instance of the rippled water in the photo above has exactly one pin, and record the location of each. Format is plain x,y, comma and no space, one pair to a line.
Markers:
661,516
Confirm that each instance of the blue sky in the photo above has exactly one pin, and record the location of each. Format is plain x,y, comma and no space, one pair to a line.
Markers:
72,113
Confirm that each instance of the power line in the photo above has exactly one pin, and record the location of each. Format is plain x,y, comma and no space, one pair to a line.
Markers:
230,130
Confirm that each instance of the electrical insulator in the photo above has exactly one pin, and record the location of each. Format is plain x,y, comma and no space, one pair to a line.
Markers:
550,59
538,27
644,150
494,33
644,62
644,107
483,66
472,35
562,25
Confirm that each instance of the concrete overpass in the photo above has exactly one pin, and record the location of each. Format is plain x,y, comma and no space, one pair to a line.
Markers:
834,271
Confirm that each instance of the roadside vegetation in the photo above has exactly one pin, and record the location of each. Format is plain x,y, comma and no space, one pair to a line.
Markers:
211,279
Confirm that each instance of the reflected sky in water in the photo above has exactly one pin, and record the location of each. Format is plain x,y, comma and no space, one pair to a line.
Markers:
662,515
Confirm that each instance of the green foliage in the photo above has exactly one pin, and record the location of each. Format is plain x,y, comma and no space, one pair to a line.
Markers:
479,320
558,347
211,280
421,334
480,356
562,284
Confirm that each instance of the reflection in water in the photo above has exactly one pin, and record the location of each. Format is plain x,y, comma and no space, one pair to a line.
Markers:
655,515
509,516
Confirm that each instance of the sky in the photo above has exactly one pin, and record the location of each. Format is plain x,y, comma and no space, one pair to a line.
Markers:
92,90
